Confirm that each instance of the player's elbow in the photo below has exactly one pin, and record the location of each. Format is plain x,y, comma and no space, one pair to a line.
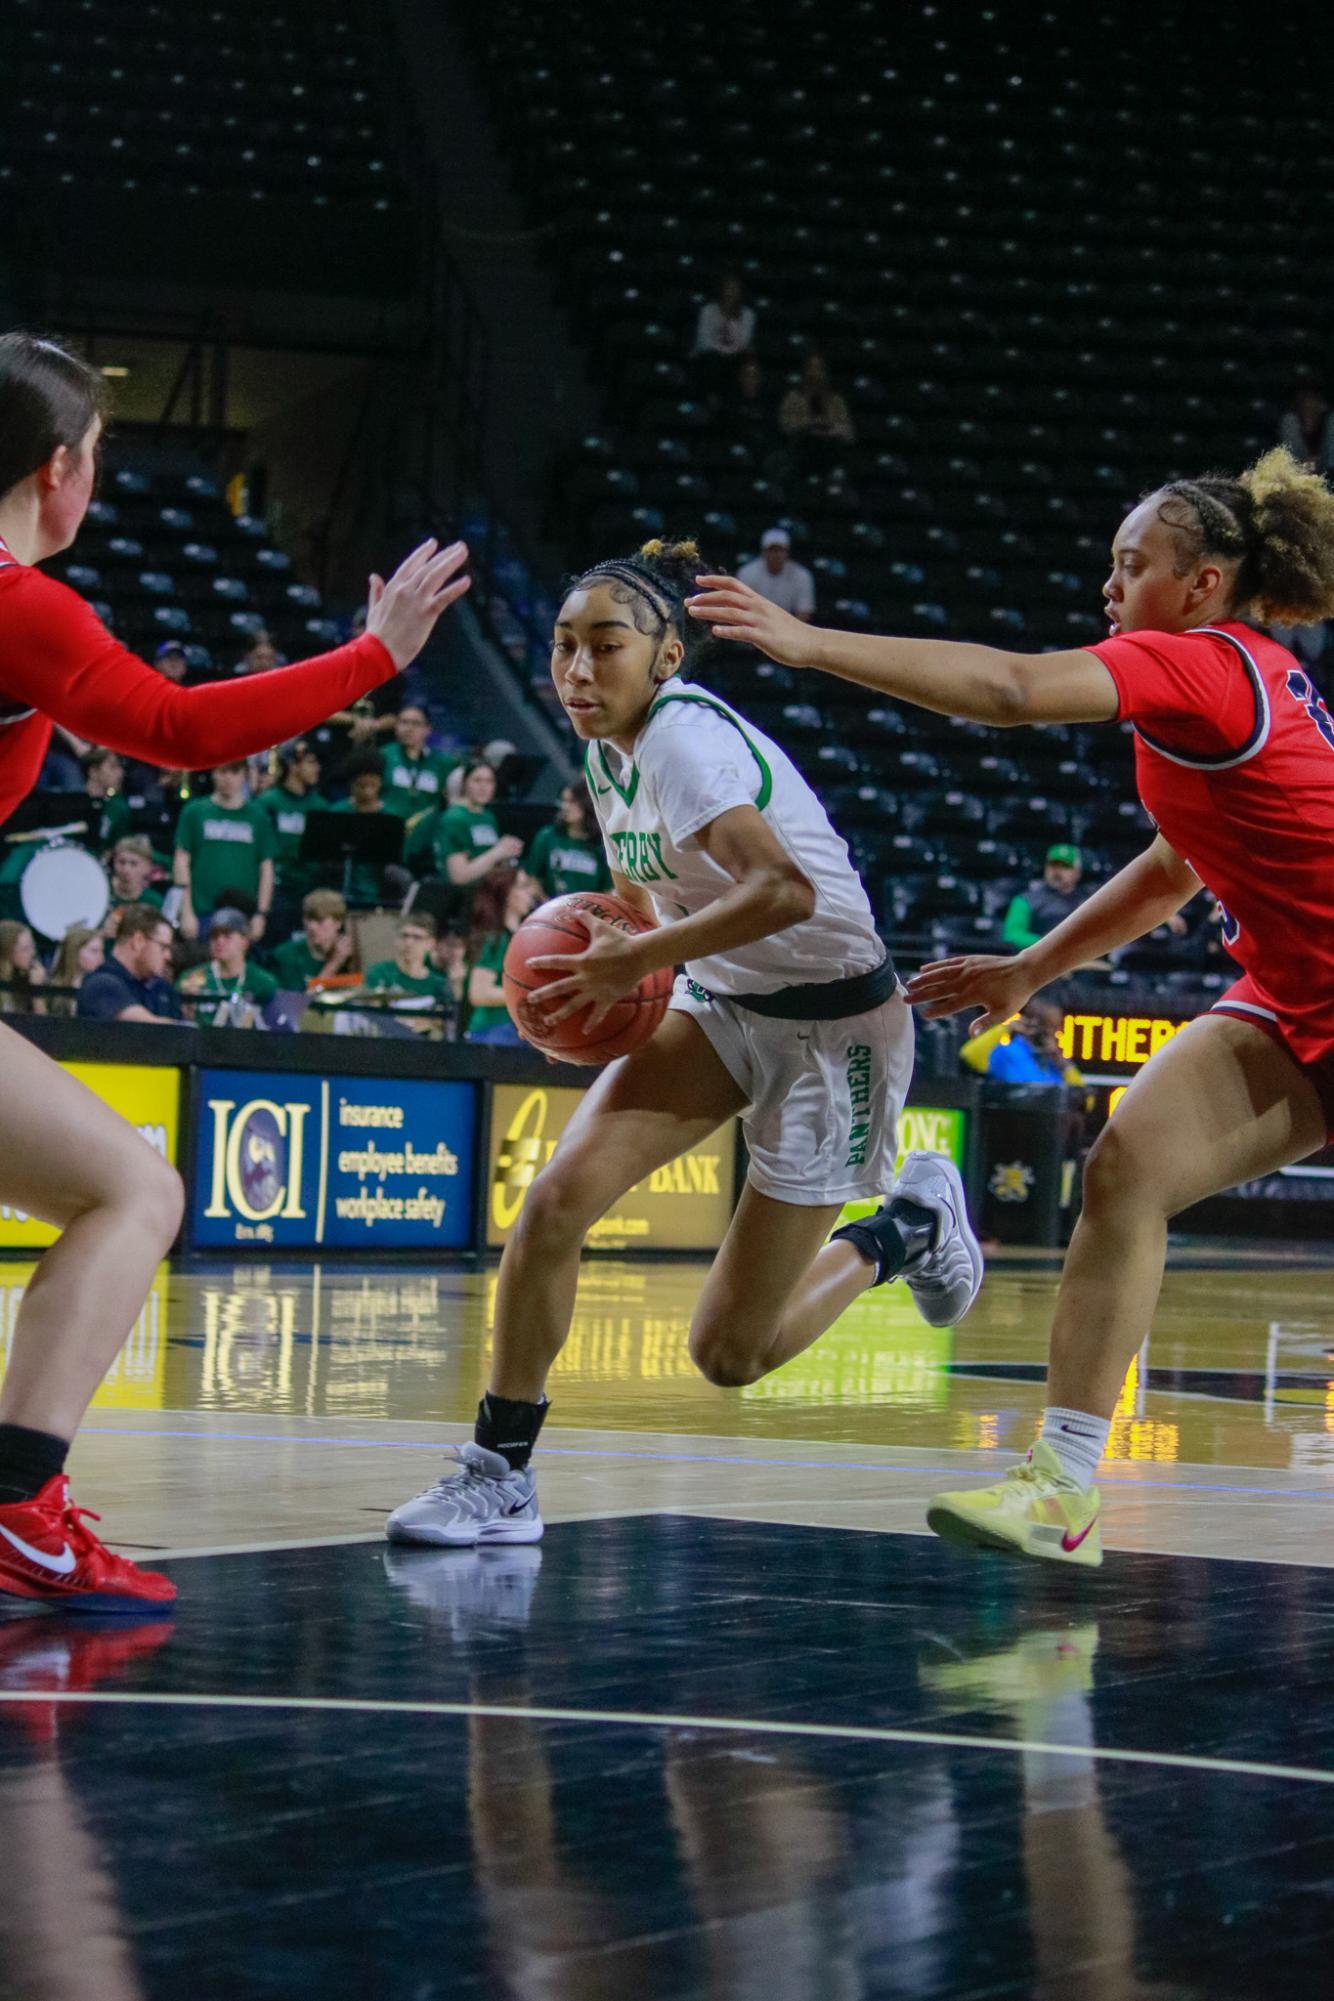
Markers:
789,895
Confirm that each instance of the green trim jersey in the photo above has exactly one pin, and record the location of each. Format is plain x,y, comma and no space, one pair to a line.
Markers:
694,759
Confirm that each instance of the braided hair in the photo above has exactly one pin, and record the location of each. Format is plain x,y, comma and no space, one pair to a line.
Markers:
1275,521
653,585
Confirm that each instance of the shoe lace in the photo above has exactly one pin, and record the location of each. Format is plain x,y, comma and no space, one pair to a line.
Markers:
471,1474
85,1544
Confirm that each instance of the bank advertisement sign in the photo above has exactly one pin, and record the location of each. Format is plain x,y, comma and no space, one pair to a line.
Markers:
149,1097
355,1163
685,1206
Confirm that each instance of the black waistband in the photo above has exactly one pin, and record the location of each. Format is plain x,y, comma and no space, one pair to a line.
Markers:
824,1000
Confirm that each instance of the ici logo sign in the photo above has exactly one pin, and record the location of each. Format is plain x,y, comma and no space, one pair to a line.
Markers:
259,1154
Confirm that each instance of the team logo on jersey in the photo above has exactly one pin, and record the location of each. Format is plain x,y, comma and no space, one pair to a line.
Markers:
859,1103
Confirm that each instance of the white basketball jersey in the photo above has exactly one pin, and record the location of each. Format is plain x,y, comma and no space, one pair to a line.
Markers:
694,759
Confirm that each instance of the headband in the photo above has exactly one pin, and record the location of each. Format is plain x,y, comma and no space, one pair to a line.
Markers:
626,573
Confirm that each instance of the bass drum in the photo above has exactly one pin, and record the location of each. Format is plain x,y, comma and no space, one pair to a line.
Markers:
63,886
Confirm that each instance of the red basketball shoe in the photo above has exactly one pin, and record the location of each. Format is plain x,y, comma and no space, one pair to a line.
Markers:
47,1552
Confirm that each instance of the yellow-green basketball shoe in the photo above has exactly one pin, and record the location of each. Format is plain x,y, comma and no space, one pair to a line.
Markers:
1036,1509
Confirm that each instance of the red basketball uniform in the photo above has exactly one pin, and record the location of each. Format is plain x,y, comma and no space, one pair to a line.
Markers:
58,663
1234,755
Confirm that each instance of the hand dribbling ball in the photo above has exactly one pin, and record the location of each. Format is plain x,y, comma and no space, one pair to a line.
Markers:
561,926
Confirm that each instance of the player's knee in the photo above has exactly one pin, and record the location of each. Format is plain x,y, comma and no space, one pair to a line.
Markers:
723,1360
556,1212
158,1198
1116,1170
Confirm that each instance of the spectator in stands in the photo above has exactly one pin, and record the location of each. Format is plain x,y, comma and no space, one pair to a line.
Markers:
131,874
725,329
287,804
1307,426
227,988
414,775
132,985
775,575
82,950
61,768
22,973
568,854
324,948
1045,904
744,412
499,908
410,970
1025,1050
260,657
449,956
465,842
815,419
364,773
225,847
170,661
104,781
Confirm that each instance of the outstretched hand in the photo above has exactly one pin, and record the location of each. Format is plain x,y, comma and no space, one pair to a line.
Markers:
402,613
999,986
734,611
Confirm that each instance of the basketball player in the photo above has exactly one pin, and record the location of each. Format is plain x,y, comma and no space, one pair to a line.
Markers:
63,1155
1235,765
789,1013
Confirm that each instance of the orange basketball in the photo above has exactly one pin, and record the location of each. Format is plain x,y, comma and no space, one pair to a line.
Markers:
561,926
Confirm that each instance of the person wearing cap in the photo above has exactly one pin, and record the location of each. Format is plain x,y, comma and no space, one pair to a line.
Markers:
170,661
1048,902
778,578
228,975
130,874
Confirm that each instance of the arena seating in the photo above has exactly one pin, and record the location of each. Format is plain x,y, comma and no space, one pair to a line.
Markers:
161,557
1012,246
193,142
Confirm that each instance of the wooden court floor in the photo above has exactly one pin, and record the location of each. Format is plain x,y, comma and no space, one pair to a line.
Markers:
738,1726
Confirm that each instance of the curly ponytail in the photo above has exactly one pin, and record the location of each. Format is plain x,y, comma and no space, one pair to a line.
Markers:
1275,521
655,584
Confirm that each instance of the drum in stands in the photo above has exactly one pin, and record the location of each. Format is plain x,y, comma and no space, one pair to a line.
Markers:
63,886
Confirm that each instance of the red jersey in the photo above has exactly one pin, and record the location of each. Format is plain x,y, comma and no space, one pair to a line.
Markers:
58,663
1234,756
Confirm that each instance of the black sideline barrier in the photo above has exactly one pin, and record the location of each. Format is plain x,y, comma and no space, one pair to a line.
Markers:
329,1143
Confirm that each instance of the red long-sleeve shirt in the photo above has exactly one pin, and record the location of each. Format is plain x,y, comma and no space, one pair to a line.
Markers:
59,664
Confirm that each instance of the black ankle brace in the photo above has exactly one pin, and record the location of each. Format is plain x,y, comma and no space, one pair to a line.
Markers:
509,1427
892,1238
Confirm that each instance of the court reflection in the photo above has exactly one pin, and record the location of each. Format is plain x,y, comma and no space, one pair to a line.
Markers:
1079,1888
1239,1370
63,1931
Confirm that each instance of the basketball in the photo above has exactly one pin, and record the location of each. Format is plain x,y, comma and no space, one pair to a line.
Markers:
561,926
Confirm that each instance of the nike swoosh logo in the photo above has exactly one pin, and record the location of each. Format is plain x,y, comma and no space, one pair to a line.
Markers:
59,1566
1071,1542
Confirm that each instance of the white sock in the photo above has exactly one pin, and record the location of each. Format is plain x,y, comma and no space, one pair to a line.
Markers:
1078,1439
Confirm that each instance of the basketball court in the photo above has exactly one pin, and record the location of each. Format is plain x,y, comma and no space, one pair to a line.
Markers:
737,1725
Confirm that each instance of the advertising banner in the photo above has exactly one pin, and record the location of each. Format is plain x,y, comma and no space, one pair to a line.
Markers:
150,1098
297,1162
685,1206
